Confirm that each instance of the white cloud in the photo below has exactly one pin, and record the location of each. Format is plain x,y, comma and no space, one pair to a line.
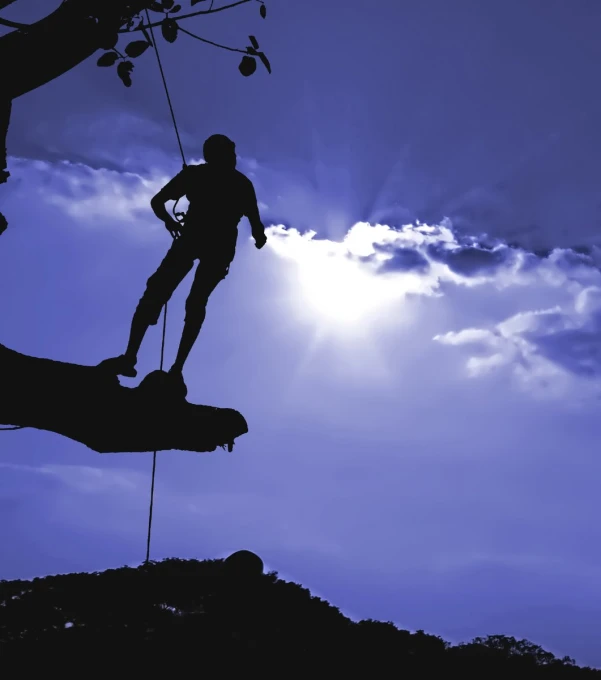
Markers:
549,351
97,196
94,197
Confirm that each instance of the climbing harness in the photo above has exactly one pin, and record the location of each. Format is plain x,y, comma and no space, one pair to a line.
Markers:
181,150
179,216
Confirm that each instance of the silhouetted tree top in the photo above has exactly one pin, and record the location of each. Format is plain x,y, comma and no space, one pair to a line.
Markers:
193,614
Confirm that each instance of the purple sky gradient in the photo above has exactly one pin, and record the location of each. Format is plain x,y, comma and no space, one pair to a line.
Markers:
435,462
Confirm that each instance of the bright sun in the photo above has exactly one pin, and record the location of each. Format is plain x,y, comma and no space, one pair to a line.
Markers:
339,291
334,286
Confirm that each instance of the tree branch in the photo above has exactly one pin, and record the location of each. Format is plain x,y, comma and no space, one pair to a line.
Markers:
13,24
187,16
35,54
210,42
59,42
87,405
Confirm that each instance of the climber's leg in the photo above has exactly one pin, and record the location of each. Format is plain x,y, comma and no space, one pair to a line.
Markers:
207,276
159,289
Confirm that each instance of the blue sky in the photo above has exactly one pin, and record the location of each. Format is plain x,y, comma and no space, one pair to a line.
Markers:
422,398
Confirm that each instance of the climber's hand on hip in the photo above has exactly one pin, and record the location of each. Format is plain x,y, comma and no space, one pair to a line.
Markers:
173,227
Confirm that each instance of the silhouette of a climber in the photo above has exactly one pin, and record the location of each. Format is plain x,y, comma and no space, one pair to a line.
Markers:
219,196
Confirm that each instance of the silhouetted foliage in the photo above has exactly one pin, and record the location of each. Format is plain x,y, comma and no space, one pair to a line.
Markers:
170,29
248,66
185,614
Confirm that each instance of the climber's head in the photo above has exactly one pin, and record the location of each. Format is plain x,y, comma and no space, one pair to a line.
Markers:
219,151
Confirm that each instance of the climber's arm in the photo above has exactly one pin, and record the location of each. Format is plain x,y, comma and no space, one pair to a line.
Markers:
252,212
172,191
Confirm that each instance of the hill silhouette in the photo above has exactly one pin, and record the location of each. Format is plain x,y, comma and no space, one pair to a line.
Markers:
227,616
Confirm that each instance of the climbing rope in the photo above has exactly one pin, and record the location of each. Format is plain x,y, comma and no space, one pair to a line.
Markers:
181,149
156,51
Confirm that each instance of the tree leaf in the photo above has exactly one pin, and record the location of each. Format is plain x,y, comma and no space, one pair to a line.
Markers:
136,48
169,29
253,42
123,71
195,2
251,50
156,7
167,4
109,40
107,59
247,66
265,61
175,9
263,11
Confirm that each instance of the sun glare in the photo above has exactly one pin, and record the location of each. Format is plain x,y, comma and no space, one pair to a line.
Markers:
334,286
339,291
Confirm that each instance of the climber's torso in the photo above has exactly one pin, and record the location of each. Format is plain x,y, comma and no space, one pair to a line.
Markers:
218,201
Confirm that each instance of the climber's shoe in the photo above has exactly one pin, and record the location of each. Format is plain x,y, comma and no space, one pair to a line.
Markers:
177,379
121,365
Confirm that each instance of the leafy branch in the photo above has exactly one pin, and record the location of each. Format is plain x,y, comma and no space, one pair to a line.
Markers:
159,7
170,30
251,49
210,42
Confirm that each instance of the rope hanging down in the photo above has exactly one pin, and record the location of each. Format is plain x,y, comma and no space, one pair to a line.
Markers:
179,142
